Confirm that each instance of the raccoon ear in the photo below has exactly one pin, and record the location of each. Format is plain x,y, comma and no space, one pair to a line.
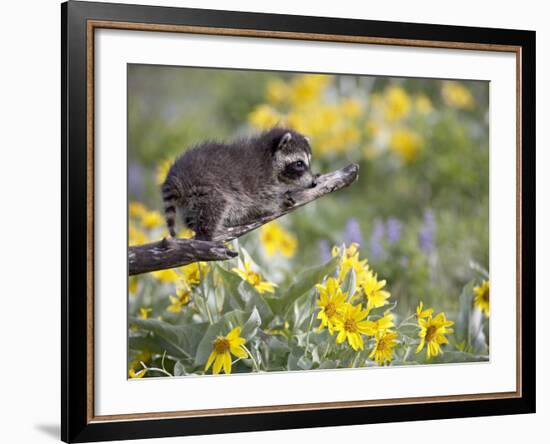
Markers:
287,137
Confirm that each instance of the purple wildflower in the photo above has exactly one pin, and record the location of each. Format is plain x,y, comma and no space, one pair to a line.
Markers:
376,246
353,232
426,234
393,228
324,250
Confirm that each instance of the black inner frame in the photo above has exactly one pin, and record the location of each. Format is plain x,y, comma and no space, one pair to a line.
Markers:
74,423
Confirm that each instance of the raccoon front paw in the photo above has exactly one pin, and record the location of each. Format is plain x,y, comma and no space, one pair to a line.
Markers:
288,199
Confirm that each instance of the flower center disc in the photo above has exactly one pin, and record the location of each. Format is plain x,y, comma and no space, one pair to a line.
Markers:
254,278
330,309
382,345
430,332
221,345
350,326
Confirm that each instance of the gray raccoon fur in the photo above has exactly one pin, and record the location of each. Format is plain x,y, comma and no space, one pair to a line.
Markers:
216,185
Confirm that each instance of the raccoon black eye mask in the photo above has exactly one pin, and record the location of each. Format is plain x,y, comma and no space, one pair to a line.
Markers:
216,185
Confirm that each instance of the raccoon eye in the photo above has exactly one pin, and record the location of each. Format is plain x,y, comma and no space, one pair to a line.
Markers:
299,165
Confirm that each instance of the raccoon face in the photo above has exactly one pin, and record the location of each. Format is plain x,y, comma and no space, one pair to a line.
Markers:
292,161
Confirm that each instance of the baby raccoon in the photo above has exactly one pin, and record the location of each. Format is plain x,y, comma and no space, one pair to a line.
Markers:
215,185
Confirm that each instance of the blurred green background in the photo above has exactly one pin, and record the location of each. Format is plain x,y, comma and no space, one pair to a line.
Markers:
419,210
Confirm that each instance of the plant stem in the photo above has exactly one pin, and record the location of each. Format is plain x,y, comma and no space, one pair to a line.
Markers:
403,322
354,363
203,293
254,362
309,331
327,349
407,352
155,369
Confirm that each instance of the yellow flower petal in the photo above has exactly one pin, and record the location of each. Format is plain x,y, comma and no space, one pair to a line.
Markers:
210,360
226,363
234,333
218,363
238,352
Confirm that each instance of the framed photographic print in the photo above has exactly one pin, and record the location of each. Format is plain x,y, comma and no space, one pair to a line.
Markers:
275,221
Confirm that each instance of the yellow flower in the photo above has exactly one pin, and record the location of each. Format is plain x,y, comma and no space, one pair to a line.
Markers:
194,272
481,299
350,107
432,334
144,312
288,245
134,375
457,95
176,305
133,285
421,313
350,260
351,325
186,233
299,122
255,279
152,219
135,235
166,276
264,117
373,290
331,302
307,88
222,348
348,135
275,238
143,356
136,210
178,302
162,170
406,144
423,104
397,103
383,349
277,91
380,325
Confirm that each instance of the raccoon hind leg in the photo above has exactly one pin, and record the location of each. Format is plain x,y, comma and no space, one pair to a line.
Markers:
170,197
210,218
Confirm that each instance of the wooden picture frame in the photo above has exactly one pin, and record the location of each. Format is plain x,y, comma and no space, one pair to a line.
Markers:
79,22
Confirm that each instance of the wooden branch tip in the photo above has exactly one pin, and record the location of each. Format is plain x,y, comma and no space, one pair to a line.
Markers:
172,253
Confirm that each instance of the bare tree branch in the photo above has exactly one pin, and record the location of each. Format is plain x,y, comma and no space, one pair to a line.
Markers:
171,253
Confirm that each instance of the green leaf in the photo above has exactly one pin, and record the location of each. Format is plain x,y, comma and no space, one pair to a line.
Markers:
179,369
183,340
254,300
463,321
303,283
231,283
156,345
278,345
328,364
457,357
250,327
349,284
379,311
297,360
411,331
304,312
